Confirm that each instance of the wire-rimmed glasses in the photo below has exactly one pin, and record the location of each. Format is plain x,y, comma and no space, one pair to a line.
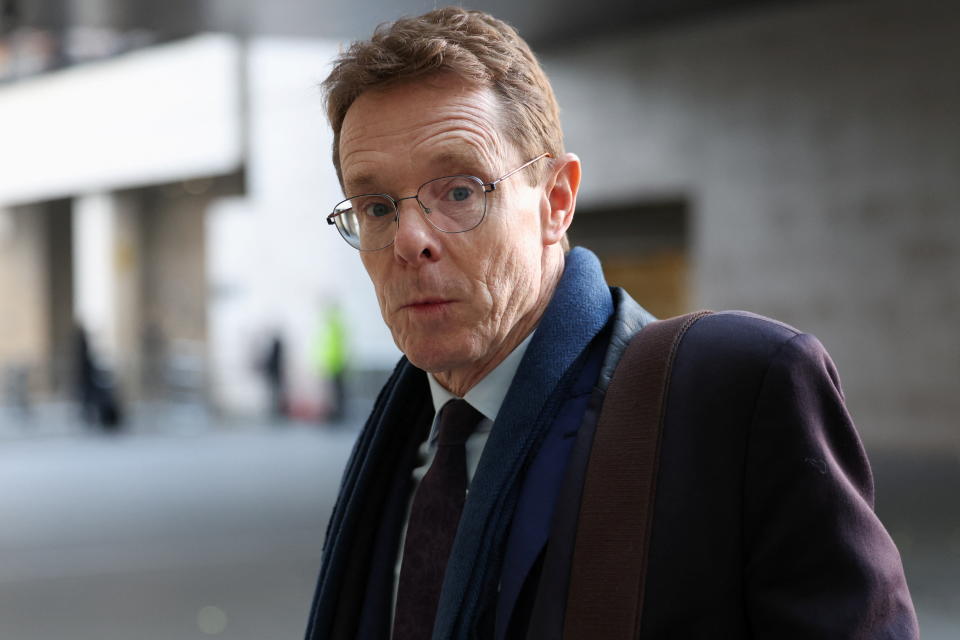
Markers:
451,204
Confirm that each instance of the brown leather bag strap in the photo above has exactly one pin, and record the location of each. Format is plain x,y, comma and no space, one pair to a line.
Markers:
616,511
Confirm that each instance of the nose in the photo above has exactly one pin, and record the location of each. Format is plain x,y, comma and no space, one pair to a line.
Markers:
417,241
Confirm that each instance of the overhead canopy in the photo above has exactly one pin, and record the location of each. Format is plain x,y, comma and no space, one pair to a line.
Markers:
167,113
544,23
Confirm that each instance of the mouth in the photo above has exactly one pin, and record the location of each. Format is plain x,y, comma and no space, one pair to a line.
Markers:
428,304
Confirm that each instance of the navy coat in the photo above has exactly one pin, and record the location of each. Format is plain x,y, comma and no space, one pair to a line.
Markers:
763,522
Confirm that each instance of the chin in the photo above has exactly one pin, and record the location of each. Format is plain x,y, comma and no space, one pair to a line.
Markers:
432,361
435,356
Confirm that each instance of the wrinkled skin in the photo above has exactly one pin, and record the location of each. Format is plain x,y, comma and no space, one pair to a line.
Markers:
456,304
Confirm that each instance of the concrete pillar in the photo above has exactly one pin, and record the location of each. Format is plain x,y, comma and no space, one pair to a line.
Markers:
23,316
36,312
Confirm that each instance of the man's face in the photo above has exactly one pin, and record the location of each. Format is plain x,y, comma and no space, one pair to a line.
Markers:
455,302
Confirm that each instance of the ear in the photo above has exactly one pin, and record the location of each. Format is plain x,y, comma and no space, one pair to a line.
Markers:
560,198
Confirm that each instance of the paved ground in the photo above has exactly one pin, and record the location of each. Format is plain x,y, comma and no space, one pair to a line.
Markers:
150,536
197,531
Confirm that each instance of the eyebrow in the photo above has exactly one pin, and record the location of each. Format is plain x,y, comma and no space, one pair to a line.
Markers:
457,162
362,183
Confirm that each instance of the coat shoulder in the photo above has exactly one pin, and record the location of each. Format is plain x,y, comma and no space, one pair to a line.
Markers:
738,342
742,331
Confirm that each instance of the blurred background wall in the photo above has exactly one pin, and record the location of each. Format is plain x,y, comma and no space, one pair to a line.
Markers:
167,190
165,174
815,154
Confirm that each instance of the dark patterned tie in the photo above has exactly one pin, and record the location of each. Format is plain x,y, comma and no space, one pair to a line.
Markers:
432,526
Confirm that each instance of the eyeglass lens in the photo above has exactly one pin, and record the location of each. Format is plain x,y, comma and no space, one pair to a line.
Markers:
451,204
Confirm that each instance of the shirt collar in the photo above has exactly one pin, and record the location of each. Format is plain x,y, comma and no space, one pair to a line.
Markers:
487,395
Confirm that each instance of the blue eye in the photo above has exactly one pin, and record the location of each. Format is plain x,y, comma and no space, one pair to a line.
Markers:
460,193
378,209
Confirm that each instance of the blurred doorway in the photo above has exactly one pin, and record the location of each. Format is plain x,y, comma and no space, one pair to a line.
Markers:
644,247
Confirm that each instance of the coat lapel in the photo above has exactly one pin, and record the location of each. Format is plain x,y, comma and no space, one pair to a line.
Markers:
541,486
546,611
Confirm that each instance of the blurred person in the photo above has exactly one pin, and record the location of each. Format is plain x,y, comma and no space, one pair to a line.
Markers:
95,388
330,360
85,376
273,368
448,146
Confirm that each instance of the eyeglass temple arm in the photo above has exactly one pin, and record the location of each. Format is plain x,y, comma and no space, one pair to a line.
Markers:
492,186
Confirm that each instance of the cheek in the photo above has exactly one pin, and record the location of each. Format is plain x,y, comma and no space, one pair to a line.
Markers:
512,280
376,273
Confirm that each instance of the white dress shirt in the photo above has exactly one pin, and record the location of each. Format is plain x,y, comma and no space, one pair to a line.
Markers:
486,397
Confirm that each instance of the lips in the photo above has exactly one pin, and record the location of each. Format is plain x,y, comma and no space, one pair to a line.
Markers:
424,304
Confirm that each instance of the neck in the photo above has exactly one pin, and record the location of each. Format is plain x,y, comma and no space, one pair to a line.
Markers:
458,382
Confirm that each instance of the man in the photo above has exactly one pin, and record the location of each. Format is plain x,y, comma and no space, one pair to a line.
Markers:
448,146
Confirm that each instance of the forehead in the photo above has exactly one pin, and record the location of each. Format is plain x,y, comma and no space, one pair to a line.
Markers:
419,128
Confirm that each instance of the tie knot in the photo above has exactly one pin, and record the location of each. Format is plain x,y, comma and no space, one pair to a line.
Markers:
457,421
